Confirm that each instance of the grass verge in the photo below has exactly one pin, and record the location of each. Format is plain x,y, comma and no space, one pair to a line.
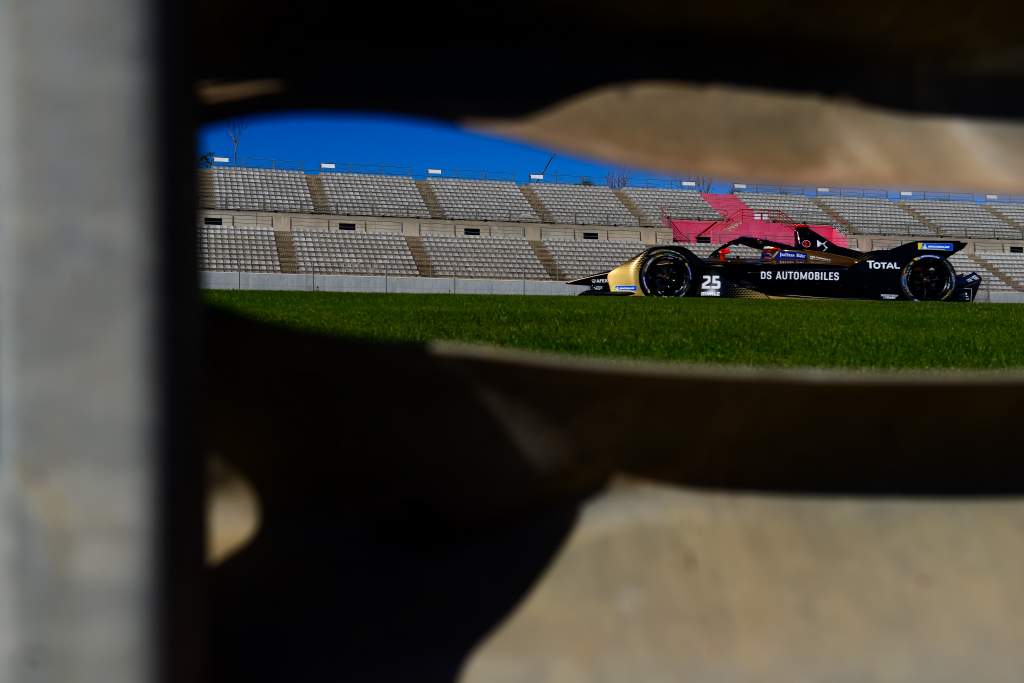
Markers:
791,333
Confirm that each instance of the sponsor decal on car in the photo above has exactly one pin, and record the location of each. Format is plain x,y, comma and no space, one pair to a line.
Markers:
890,297
935,246
791,256
711,285
599,280
810,275
806,244
882,265
973,277
625,288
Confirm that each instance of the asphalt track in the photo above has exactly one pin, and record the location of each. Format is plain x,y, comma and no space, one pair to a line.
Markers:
658,583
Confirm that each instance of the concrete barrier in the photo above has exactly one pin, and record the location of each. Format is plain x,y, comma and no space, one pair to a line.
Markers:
381,284
347,283
218,280
421,285
284,281
429,285
478,286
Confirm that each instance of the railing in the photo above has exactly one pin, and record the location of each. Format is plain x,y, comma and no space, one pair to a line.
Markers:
875,193
954,233
316,167
691,183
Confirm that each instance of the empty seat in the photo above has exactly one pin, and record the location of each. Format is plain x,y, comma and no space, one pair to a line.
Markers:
352,253
653,203
238,249
491,257
255,189
577,259
963,219
875,216
795,206
583,204
485,200
1010,265
358,194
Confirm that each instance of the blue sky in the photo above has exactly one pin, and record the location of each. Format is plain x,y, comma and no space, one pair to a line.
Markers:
406,145
392,141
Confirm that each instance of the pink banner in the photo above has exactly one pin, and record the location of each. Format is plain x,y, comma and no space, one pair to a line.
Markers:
741,221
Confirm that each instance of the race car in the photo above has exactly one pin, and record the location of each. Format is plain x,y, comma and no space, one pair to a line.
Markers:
813,267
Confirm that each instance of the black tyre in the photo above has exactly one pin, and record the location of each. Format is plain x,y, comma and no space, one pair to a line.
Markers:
928,278
665,272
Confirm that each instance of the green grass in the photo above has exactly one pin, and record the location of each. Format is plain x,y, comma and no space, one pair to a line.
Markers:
854,334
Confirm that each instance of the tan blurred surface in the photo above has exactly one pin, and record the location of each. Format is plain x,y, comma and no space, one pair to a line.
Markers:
752,135
232,511
664,584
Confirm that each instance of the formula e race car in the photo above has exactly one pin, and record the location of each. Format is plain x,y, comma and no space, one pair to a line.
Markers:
749,267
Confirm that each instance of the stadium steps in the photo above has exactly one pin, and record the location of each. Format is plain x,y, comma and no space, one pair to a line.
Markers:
916,214
1003,217
430,199
537,204
206,196
841,222
317,193
633,209
996,271
286,252
419,255
727,205
547,260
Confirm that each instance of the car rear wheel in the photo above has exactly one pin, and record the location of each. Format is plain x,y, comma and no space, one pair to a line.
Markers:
665,272
928,278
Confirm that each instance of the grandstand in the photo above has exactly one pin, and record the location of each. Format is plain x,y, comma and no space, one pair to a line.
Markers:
371,195
1011,214
352,254
961,219
993,281
490,257
254,189
483,200
238,249
575,259
580,204
795,206
1008,265
873,216
355,253
653,203
334,223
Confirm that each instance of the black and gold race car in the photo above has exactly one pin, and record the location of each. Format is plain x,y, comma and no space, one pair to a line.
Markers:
750,267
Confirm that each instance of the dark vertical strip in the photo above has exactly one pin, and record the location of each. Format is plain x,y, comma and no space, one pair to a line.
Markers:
180,614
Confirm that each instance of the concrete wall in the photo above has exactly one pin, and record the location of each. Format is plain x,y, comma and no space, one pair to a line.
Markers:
534,231
376,283
427,285
418,226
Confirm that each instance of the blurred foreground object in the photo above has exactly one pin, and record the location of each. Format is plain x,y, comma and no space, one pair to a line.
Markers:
727,132
658,583
392,555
